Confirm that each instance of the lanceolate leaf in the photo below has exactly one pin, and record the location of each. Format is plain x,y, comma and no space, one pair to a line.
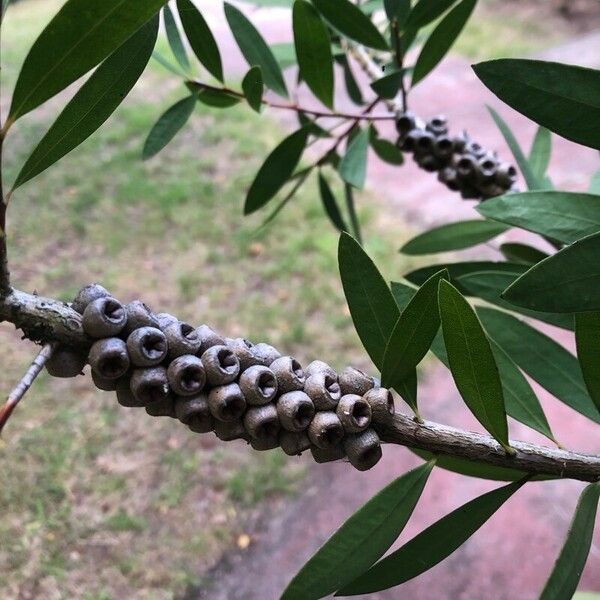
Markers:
472,363
361,540
522,253
413,333
353,89
453,236
539,155
563,98
217,98
313,49
372,306
545,361
350,21
561,216
254,49
441,39
568,281
457,269
388,85
432,545
253,87
587,335
489,286
330,204
386,150
95,101
569,566
530,179
397,9
353,166
520,401
168,125
79,37
426,11
276,170
594,187
201,38
174,38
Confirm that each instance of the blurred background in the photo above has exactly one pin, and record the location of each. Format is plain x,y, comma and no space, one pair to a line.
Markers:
99,502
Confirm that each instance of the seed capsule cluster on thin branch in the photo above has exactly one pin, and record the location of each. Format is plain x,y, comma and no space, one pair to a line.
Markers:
232,387
462,164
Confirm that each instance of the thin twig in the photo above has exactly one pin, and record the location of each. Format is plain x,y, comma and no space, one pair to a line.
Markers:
4,272
26,382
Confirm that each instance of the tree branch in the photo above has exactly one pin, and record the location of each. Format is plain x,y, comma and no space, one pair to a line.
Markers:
483,449
46,320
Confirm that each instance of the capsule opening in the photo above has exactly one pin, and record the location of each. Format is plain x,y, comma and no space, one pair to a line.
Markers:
267,385
227,360
361,413
113,310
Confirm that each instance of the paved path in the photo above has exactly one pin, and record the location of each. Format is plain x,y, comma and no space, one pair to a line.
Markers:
513,554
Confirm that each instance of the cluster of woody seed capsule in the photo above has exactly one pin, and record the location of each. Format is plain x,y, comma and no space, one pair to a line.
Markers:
237,389
462,165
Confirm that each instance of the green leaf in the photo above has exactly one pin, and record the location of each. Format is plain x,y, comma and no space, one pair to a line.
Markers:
539,155
457,269
81,35
160,59
561,216
330,204
174,39
432,545
520,401
168,125
361,540
285,54
489,285
353,89
372,306
413,333
388,85
353,166
255,50
350,21
276,170
563,98
594,187
385,150
530,179
397,9
426,11
216,98
313,49
566,282
441,39
453,236
519,398
252,86
522,253
472,362
545,361
95,101
201,38
573,556
587,336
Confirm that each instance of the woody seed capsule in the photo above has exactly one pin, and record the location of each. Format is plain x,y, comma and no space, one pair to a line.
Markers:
147,346
261,422
181,339
323,390
125,396
269,443
149,385
318,366
382,405
88,294
104,317
355,381
325,430
186,375
243,350
354,413
227,431
208,338
195,413
226,402
289,373
265,354
259,385
322,455
295,410
109,358
221,365
104,384
139,315
65,363
293,443
162,408
165,319
363,449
